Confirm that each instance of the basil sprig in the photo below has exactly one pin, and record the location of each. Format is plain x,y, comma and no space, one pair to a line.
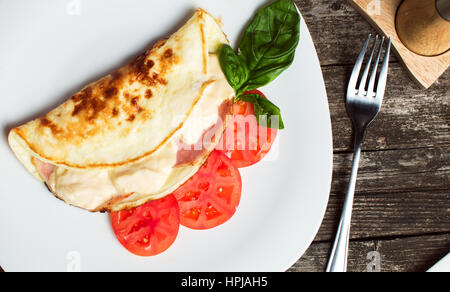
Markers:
266,50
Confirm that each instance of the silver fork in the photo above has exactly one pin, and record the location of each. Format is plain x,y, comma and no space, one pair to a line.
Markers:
363,105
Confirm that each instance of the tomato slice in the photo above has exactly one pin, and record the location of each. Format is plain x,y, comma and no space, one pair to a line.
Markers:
244,141
211,196
150,229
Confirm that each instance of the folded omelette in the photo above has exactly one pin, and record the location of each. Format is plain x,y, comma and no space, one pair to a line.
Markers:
134,135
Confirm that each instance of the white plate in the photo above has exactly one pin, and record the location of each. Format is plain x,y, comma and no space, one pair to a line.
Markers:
443,266
50,49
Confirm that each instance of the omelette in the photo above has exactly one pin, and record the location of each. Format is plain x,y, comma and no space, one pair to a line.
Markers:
139,133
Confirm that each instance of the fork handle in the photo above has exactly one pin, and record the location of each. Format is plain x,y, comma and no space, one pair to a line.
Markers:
339,253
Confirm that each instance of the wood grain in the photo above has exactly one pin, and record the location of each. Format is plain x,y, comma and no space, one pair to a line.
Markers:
403,187
422,29
399,192
390,214
410,254
338,31
409,118
395,171
425,70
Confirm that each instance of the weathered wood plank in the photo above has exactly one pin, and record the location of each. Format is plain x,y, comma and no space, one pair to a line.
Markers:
392,214
403,191
336,28
394,171
410,254
410,117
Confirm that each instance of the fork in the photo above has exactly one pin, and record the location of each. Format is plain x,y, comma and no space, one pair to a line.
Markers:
363,105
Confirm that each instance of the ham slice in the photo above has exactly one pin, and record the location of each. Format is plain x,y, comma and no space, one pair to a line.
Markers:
44,169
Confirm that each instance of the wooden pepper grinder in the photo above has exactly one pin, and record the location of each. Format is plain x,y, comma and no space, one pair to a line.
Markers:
424,26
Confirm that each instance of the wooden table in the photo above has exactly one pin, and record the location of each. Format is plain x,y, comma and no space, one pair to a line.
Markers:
403,193
402,207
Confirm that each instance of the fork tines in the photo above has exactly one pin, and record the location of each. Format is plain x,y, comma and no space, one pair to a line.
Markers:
364,88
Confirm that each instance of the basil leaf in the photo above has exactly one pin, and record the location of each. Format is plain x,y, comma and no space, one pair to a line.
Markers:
269,43
235,71
267,113
267,49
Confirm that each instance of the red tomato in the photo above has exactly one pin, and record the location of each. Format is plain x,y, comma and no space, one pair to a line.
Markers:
211,196
150,229
244,141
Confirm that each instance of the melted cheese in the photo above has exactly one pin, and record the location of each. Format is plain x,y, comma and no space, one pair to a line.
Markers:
155,176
